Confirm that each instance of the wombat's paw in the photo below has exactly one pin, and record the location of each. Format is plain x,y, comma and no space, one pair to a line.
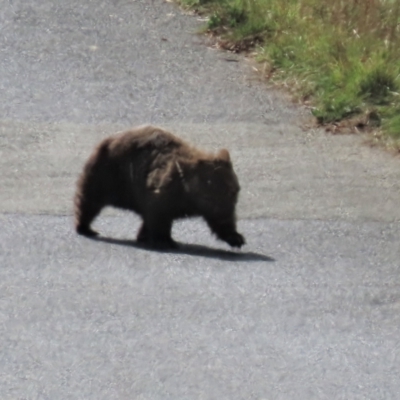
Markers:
86,231
235,240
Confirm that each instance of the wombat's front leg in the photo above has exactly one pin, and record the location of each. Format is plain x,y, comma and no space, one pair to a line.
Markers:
226,231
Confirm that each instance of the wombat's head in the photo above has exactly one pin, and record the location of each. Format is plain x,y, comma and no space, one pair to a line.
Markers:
214,185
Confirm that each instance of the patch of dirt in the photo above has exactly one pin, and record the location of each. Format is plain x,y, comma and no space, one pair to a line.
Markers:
243,46
366,122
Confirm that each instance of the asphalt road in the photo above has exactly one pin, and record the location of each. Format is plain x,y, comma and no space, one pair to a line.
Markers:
309,309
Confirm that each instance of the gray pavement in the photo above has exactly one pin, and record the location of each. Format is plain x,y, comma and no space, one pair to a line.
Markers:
84,319
309,309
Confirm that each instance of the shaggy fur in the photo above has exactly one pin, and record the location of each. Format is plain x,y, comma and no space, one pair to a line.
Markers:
160,177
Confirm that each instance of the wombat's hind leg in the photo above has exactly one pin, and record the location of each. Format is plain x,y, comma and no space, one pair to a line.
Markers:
86,231
85,214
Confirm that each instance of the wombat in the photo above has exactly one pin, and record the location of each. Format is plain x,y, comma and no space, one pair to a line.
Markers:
162,178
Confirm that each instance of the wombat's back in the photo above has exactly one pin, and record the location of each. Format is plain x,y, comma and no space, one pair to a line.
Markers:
123,168
143,139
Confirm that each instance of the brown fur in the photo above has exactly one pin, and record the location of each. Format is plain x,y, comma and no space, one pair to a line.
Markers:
160,177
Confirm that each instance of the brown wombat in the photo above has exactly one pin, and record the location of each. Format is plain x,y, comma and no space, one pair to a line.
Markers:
161,178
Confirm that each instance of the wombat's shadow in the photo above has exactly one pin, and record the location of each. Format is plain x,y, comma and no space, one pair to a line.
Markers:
191,250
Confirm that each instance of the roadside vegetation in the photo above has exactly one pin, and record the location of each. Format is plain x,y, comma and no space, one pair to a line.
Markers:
340,56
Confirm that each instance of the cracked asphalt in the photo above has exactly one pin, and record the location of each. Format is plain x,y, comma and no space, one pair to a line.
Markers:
308,309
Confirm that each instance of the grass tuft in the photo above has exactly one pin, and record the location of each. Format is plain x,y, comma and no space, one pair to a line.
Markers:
377,86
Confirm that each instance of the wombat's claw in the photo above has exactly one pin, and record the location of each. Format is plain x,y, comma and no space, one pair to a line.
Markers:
86,231
236,240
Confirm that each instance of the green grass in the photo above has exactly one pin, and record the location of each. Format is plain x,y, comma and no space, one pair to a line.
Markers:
343,56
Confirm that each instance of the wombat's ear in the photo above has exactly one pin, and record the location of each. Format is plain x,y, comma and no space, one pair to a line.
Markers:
223,155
